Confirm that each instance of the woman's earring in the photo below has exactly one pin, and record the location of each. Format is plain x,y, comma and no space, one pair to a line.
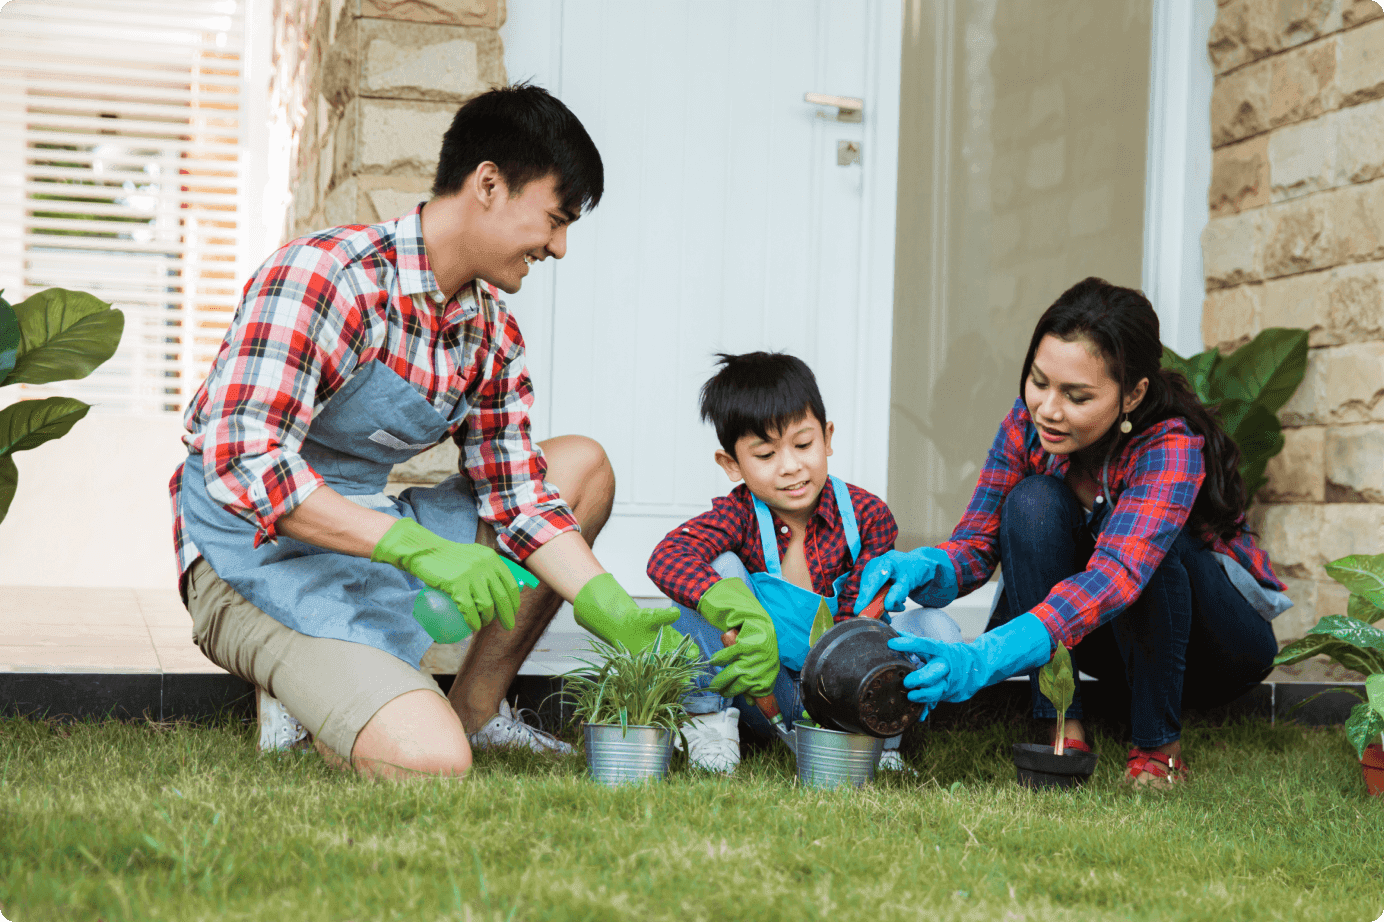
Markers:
1126,427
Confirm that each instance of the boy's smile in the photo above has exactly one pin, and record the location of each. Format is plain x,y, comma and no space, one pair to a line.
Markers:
786,471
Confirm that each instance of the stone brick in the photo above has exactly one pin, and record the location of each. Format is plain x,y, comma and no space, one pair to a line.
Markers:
1240,177
1230,316
1360,63
1240,104
1332,597
1298,236
1354,382
1357,221
1356,304
1307,406
1295,473
400,136
1231,248
1350,528
1302,83
342,205
409,60
1299,21
488,13
1243,32
1297,621
390,203
1302,158
1291,534
1359,143
1354,12
1354,459
1301,301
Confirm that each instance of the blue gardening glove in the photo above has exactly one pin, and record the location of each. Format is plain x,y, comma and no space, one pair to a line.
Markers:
472,574
752,662
956,671
925,575
606,610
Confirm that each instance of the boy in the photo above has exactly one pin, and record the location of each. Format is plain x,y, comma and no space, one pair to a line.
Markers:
768,554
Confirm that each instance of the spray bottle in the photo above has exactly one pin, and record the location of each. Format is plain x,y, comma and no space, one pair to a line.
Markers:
442,619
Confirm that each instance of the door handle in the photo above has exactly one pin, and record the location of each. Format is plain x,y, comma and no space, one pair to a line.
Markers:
848,108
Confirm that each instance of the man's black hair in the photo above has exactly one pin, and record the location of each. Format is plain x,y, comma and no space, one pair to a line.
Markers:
528,133
757,392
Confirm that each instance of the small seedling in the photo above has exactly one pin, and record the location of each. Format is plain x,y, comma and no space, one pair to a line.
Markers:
1057,684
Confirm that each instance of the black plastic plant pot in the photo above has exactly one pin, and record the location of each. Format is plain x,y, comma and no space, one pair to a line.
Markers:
1040,767
853,682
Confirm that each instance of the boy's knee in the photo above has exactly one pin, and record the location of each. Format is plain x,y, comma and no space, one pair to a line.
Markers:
729,565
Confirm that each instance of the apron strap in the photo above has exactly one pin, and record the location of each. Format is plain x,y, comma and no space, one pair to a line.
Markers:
847,511
767,539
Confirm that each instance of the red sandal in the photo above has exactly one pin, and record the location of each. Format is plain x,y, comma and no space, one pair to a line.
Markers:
1078,745
1164,771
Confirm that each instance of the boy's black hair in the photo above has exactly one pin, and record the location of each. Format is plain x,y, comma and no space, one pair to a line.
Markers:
528,133
759,391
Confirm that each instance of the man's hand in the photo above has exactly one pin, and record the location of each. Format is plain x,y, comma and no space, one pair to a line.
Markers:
607,611
926,575
752,662
472,574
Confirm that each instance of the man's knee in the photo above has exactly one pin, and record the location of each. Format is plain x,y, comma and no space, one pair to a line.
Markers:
580,469
417,733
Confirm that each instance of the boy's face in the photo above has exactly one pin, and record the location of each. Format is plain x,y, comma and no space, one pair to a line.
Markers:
788,470
520,229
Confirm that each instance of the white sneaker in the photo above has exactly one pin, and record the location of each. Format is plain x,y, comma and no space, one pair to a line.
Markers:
891,761
506,730
713,740
278,729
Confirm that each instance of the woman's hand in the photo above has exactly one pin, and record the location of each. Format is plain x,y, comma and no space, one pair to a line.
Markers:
926,575
956,671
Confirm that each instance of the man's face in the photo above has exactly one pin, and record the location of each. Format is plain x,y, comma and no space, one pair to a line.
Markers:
788,470
521,229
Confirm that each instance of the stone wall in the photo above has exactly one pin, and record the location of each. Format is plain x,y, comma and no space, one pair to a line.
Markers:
1296,239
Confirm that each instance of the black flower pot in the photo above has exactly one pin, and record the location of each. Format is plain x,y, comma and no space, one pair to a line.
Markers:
853,682
1040,767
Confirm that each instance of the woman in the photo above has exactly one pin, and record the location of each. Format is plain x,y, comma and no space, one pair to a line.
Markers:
1113,502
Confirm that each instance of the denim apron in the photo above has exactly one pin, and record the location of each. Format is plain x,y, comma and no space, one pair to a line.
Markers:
374,421
793,608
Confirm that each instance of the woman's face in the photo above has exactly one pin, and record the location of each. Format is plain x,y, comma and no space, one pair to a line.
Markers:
1071,397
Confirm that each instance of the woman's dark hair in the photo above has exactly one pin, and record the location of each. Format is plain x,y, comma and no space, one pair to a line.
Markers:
1121,323
756,392
528,133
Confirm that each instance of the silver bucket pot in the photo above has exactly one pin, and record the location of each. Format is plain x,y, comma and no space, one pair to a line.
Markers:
830,758
638,754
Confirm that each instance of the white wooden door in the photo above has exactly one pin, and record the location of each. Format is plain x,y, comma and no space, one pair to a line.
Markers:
727,225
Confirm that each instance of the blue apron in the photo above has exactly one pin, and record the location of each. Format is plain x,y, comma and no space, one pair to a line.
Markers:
374,421
793,608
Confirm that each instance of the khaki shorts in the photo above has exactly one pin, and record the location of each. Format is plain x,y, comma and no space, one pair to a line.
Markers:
332,686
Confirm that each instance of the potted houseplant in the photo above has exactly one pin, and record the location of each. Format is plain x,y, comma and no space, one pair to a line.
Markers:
1055,766
1354,641
630,705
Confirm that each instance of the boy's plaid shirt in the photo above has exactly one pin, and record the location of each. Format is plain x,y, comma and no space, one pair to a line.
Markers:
681,564
1153,484
323,306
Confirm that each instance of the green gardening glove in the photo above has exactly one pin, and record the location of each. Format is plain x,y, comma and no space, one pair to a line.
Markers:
607,611
472,574
752,662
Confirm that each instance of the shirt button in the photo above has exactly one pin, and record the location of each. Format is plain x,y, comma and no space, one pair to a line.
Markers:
1100,499
784,529
437,296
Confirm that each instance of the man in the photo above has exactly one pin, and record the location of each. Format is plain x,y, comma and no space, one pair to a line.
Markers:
356,348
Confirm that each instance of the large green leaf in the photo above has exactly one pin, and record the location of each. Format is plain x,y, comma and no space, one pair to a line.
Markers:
1349,641
30,423
9,338
1197,370
1362,608
1362,574
9,479
1264,371
64,335
1366,721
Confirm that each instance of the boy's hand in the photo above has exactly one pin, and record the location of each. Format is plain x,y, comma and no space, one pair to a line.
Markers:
472,574
606,610
751,664
926,575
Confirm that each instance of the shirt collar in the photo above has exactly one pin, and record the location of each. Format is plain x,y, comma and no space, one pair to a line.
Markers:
415,272
826,510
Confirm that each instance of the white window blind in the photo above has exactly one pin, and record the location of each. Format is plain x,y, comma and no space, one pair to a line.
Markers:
122,174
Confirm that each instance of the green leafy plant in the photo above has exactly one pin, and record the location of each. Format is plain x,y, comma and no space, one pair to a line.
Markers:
633,689
1354,642
1058,685
55,335
1248,388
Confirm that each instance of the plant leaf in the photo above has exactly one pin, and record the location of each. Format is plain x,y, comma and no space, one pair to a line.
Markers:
30,423
1265,371
1364,725
821,623
1362,608
1197,370
9,480
1361,574
9,339
1057,684
64,335
1349,641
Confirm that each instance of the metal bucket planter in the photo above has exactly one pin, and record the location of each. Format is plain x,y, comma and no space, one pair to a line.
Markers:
1039,767
629,756
830,758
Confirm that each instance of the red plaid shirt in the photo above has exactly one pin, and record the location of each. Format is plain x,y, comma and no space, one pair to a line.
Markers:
1153,484
323,306
681,564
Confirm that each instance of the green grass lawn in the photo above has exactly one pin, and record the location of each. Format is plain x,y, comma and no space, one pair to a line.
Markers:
130,821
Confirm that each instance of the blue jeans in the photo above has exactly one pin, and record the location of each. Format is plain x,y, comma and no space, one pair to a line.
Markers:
924,622
1189,639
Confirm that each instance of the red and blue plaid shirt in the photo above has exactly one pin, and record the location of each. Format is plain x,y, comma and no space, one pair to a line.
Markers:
323,306
681,564
1152,484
